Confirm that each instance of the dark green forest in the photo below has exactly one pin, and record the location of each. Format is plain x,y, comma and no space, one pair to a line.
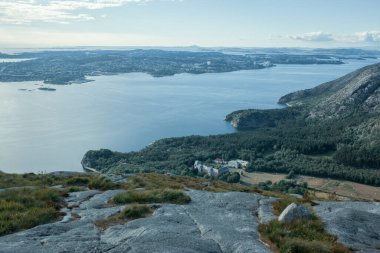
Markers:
323,149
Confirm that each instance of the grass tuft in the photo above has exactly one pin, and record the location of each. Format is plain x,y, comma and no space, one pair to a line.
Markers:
300,236
152,196
129,213
102,183
136,211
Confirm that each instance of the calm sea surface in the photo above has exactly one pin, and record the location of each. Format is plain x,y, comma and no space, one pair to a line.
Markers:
51,130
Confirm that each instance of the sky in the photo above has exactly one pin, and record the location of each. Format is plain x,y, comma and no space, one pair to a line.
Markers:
206,23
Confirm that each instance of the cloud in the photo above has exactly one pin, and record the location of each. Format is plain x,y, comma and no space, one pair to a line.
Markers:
56,11
368,37
313,36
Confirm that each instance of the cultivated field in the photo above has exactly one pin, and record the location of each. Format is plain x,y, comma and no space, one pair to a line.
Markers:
329,186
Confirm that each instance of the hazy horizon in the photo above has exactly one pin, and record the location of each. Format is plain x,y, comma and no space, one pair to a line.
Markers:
182,23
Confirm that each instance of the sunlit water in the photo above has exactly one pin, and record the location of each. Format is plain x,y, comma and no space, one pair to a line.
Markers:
2,60
51,130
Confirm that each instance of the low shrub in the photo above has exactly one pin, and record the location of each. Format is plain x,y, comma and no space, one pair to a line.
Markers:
152,196
75,189
78,181
129,213
44,180
136,212
102,183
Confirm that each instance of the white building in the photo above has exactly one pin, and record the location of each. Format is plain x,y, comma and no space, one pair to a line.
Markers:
236,164
211,171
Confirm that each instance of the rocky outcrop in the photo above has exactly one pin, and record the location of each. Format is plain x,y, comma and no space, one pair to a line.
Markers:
294,212
211,222
265,212
356,224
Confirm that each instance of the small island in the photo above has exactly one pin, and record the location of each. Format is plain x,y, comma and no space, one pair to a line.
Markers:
46,89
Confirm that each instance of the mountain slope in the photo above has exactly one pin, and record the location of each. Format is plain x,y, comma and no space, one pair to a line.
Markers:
359,90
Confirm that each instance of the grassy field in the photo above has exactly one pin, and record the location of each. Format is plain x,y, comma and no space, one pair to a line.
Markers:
343,188
25,208
323,186
28,200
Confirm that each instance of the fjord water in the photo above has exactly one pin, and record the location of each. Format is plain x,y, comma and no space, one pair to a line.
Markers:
49,131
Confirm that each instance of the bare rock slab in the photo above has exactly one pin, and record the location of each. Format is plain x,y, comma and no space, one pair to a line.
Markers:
356,224
211,222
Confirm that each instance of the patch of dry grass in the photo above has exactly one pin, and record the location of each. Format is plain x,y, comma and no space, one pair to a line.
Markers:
300,236
129,213
152,181
152,196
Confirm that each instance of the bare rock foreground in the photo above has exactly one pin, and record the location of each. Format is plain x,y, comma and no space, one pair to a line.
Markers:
212,222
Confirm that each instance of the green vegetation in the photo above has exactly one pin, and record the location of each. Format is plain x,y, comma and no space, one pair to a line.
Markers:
102,183
129,213
136,212
152,196
27,200
155,181
74,181
285,200
25,208
281,150
232,178
300,236
285,186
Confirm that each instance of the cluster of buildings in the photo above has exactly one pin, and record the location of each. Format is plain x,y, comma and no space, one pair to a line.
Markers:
223,167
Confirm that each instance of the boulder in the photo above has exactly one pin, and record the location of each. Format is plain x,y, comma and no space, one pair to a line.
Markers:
294,212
